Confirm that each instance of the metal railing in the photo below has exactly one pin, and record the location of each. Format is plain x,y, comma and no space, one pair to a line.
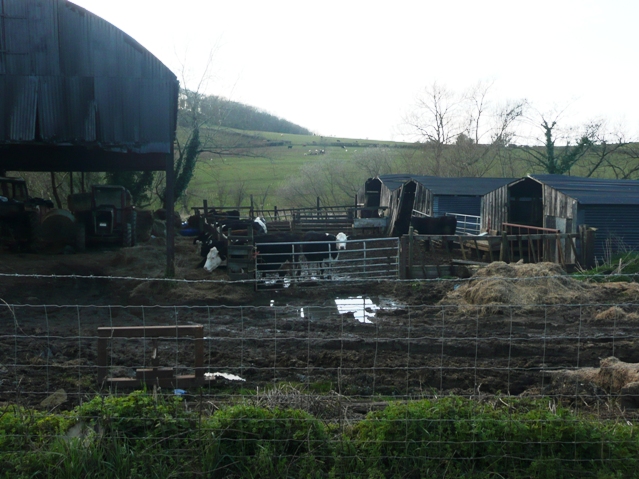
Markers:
467,224
365,259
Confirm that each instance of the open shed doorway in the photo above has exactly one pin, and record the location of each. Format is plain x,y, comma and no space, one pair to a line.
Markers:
405,209
525,203
372,198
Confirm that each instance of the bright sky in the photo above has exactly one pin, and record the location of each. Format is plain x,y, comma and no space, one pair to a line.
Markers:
354,68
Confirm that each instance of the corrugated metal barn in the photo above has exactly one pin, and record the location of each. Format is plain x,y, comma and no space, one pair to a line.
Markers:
431,195
78,94
566,202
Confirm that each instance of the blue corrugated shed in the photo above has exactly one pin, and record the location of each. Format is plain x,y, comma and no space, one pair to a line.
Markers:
68,77
594,191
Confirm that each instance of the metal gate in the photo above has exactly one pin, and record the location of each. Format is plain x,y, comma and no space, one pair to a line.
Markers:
362,260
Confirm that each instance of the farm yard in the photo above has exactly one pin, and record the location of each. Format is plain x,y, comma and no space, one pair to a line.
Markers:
451,318
510,329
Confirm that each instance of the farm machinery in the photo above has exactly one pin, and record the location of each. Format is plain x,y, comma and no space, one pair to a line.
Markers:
20,215
106,214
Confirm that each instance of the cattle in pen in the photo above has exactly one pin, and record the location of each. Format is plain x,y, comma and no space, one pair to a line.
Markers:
320,248
435,226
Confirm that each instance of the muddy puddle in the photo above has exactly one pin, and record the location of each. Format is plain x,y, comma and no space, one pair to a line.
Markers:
363,308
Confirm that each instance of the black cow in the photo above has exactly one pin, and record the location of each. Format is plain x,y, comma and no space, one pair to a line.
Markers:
321,247
220,216
274,251
207,243
430,225
257,225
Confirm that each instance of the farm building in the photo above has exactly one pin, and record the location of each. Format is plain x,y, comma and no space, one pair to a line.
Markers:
406,195
566,202
78,94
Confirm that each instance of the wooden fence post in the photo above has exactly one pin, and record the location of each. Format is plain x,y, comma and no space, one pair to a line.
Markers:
503,251
409,274
589,247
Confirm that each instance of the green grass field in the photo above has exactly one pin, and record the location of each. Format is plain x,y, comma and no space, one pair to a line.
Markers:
252,166
246,163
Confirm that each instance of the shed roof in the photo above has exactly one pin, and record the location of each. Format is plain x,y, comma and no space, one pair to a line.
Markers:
461,186
76,92
593,191
458,186
394,181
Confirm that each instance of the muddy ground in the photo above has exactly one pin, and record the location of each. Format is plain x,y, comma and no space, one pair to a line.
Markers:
503,331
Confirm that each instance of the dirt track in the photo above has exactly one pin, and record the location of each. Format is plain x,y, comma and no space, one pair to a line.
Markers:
431,338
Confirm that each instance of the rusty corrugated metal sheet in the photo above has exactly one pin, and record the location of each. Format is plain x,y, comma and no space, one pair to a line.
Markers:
81,80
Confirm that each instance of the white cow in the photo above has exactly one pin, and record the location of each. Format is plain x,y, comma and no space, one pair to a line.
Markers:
213,260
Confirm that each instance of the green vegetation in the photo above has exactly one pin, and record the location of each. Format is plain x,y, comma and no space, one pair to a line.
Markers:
141,436
622,267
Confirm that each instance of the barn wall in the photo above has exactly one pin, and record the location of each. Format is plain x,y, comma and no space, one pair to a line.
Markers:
617,226
423,199
464,205
494,209
394,200
63,68
558,204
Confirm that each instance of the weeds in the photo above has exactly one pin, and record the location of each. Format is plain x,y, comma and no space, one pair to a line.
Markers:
140,435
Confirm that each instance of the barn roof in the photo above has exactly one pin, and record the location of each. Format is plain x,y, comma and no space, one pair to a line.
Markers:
593,191
461,186
77,93
395,181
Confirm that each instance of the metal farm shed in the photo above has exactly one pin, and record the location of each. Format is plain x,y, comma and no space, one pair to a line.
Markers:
78,94
432,195
566,202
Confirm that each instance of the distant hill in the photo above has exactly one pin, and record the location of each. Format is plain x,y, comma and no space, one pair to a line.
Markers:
221,112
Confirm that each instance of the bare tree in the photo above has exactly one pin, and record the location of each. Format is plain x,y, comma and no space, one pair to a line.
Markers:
437,120
462,133
374,161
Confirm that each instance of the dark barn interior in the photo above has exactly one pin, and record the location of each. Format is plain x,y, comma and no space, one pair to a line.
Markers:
525,203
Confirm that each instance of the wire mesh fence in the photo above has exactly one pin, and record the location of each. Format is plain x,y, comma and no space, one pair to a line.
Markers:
359,379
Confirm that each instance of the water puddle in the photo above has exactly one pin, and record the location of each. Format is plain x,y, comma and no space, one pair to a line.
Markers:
363,308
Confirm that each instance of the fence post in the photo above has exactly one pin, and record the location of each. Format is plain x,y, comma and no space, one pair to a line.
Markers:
503,251
589,247
411,232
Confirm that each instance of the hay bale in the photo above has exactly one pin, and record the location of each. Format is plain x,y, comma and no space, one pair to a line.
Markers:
611,314
615,313
501,284
614,374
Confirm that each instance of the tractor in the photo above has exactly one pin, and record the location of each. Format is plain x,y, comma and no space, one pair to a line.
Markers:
20,215
107,214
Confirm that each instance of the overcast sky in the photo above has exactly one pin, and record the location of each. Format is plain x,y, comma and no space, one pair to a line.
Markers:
354,68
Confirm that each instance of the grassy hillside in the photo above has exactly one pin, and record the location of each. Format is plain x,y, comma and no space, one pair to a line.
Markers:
258,163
